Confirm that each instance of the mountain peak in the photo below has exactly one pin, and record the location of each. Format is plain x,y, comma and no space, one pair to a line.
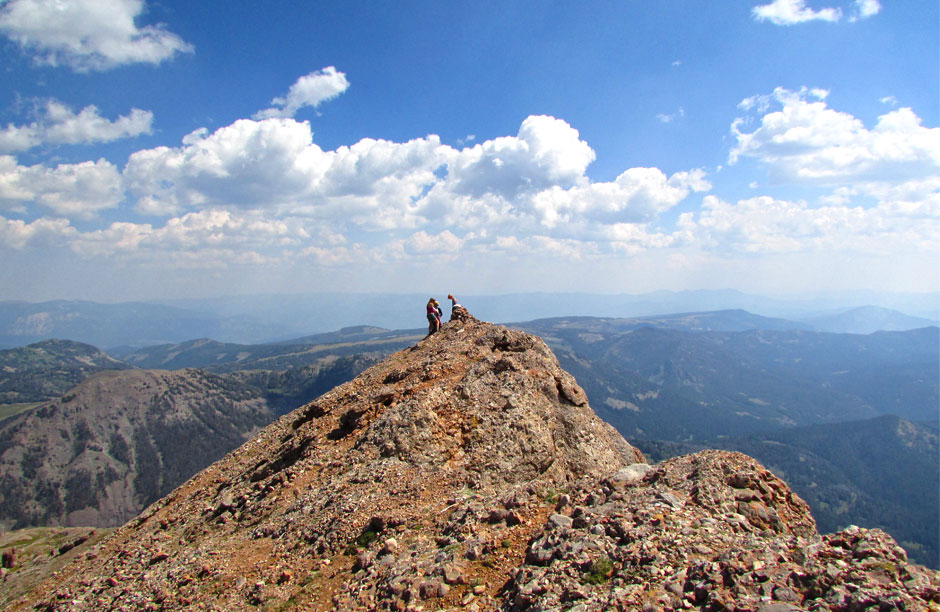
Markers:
457,473
477,405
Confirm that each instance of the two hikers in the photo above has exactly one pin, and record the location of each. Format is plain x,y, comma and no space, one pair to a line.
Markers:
434,316
435,313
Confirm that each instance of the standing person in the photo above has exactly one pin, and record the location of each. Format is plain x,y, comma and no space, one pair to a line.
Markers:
434,323
453,304
439,313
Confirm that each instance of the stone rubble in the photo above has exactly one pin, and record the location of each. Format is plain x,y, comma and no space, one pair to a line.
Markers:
713,531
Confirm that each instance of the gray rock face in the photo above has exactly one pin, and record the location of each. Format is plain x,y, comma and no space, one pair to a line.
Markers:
631,474
469,472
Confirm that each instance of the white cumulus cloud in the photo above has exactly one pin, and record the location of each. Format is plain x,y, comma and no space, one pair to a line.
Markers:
59,124
379,185
638,195
202,239
546,152
274,164
88,34
531,183
804,141
310,90
248,163
442,244
866,8
790,12
669,118
768,225
263,188
17,234
76,190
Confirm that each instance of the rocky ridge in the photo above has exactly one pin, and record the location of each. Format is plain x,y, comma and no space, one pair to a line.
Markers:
469,472
713,531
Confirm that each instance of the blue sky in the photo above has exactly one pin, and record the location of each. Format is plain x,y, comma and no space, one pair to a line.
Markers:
176,149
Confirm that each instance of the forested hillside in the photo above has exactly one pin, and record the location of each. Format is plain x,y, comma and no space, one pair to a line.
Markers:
119,441
46,370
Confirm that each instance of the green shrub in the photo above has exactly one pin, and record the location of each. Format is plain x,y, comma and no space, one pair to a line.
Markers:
366,537
599,572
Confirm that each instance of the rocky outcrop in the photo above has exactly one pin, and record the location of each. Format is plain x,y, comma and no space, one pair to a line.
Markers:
712,531
469,472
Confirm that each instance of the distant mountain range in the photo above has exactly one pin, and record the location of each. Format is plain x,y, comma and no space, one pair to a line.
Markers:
130,323
877,473
328,311
668,384
256,319
123,438
716,320
117,437
866,320
228,357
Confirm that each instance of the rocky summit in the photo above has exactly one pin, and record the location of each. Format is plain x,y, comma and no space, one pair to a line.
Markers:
469,473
